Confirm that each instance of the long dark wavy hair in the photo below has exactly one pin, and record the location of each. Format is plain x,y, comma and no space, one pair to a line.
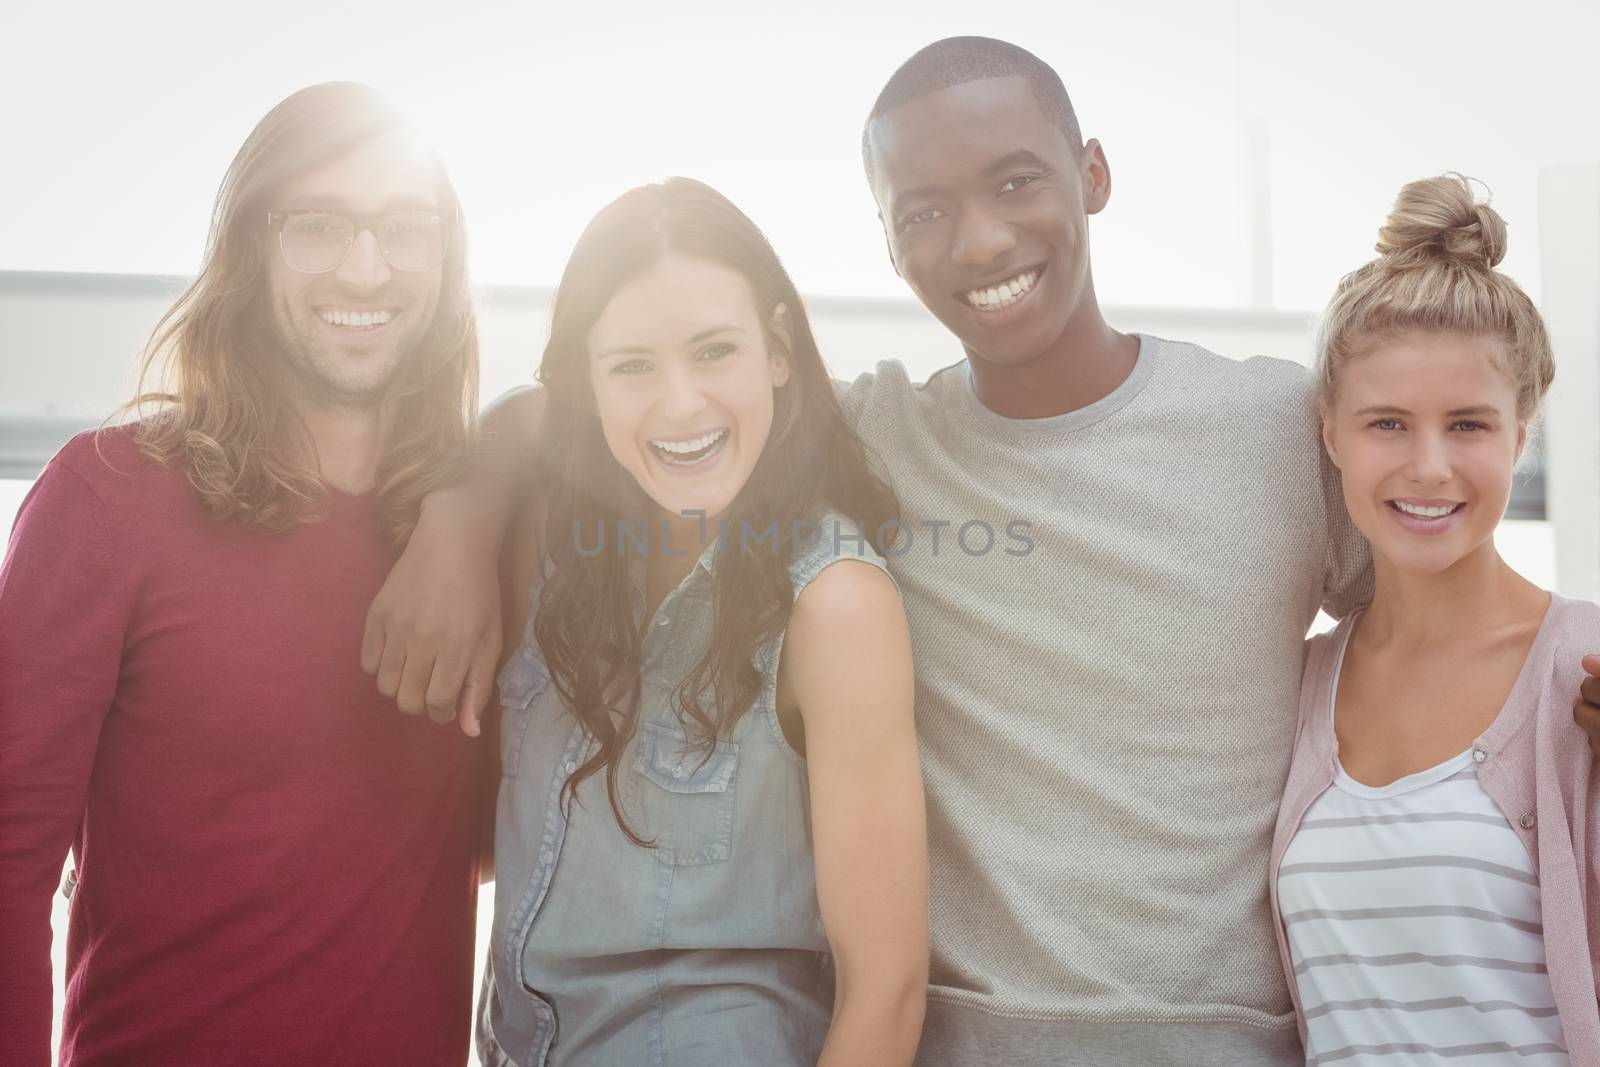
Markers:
585,622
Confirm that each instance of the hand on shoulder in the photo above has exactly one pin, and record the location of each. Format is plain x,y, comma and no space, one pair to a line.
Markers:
1582,649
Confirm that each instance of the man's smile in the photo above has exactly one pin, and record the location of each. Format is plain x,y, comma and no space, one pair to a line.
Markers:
1003,293
355,318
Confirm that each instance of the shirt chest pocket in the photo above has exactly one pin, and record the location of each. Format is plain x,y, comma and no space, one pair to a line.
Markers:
522,681
685,797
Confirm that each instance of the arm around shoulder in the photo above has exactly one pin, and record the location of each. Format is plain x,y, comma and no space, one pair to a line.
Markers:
433,633
848,659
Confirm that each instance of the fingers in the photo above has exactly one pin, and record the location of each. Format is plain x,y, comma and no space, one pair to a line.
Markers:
1589,689
412,695
407,679
1586,709
449,670
446,687
470,706
478,688
1587,717
390,667
372,641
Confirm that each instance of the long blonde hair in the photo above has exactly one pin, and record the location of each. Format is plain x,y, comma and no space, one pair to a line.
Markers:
1435,273
220,407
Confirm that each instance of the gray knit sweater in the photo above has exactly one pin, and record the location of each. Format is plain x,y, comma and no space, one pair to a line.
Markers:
1107,609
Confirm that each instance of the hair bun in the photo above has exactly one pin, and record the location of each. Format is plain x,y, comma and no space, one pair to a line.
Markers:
1439,218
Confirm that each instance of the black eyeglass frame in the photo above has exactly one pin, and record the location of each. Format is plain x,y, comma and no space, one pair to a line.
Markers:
368,221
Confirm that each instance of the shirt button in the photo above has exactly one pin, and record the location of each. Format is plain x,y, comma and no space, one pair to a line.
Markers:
677,772
662,620
546,856
1479,755
1527,820
571,766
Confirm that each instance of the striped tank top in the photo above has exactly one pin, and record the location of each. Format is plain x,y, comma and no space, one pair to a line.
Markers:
1412,913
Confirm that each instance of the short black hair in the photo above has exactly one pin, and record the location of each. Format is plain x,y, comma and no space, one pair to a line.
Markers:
958,60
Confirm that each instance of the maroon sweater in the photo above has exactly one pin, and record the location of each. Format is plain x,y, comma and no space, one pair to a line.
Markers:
274,865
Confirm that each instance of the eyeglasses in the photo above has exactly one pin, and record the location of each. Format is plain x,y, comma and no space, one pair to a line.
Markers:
316,242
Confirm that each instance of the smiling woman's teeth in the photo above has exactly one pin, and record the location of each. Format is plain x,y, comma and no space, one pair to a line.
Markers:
359,320
1425,513
1006,293
684,453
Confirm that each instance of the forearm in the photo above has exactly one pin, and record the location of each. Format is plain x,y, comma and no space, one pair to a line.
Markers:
877,1019
433,633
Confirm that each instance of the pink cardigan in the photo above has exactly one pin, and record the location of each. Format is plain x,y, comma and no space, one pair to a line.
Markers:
1537,767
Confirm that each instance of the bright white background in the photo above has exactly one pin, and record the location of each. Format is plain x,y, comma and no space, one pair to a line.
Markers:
118,120
1255,147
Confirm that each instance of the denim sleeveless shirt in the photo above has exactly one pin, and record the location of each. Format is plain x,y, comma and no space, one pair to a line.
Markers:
705,949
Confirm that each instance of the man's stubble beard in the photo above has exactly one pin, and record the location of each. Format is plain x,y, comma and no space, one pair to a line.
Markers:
311,367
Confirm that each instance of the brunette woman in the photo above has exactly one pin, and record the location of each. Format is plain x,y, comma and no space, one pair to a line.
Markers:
710,845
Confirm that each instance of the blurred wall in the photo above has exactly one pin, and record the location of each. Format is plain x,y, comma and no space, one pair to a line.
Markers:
69,344
1569,229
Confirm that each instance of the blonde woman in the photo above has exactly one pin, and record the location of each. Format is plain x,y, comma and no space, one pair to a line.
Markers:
1437,858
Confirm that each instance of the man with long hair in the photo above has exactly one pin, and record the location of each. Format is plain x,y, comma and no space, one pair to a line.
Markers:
270,867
